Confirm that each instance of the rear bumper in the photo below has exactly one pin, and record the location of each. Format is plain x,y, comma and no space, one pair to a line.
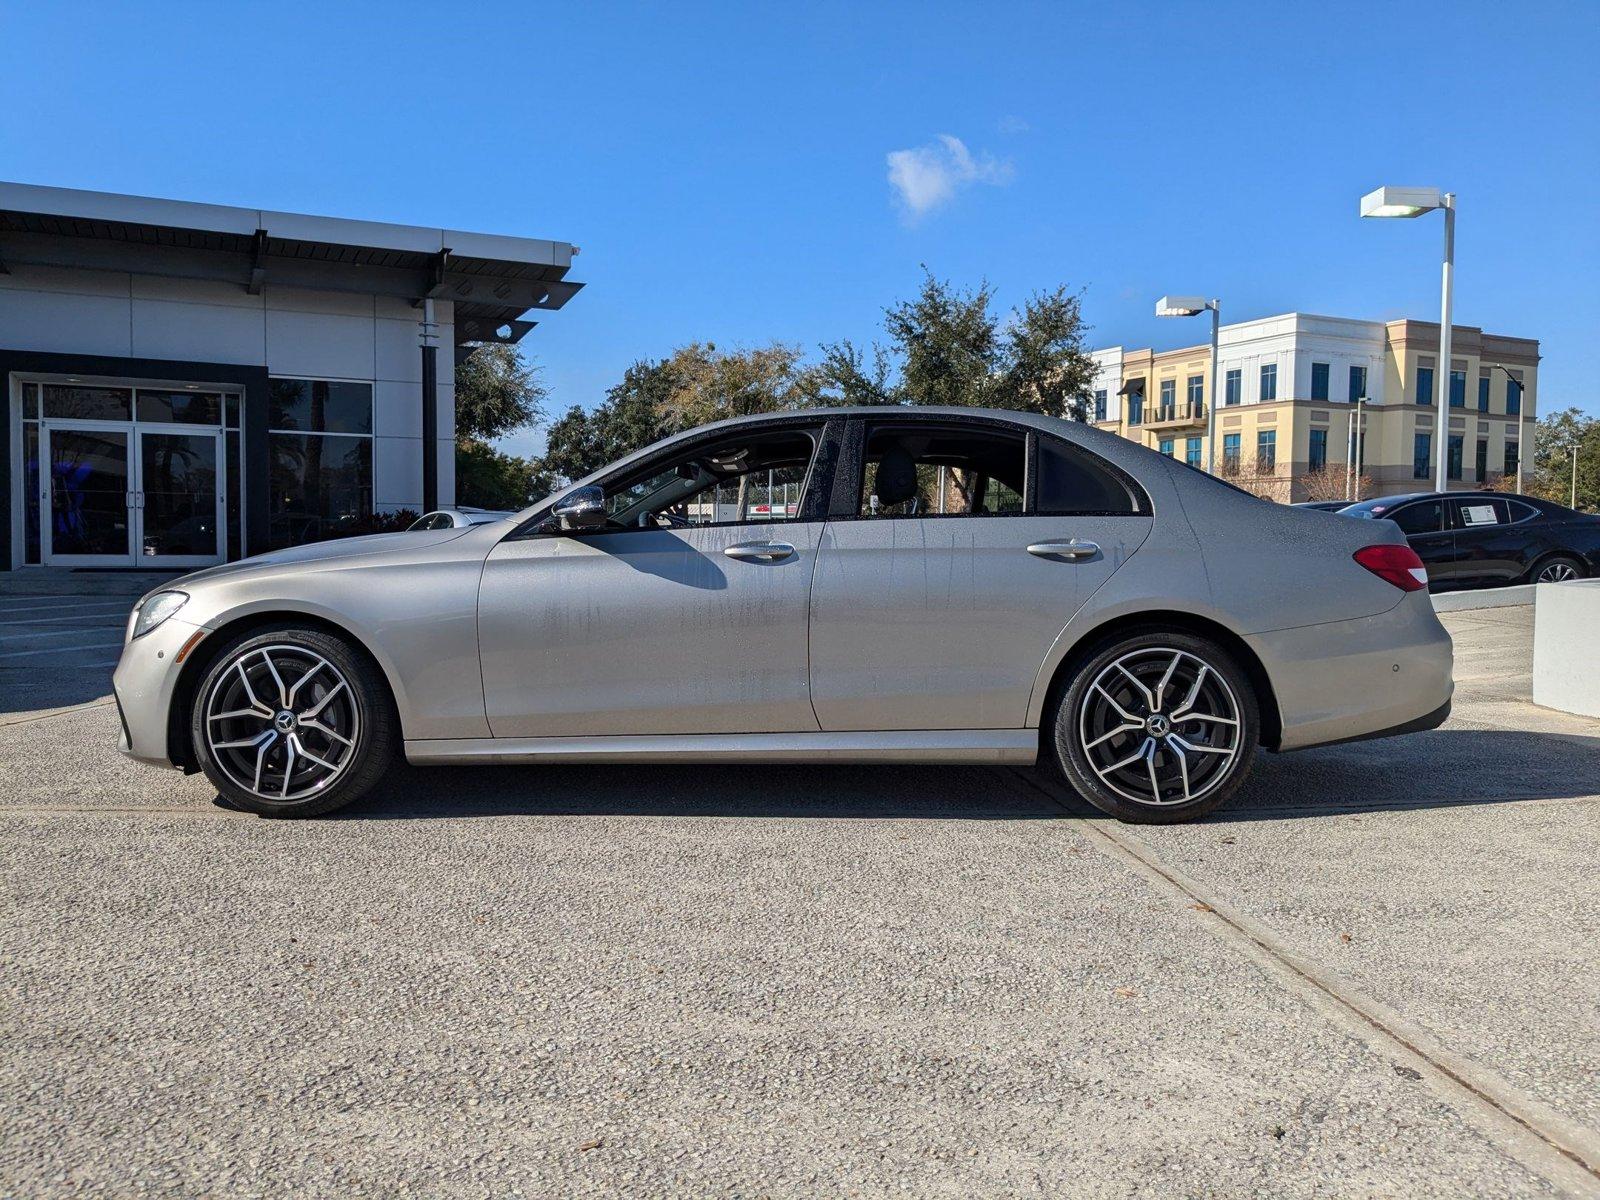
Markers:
1370,677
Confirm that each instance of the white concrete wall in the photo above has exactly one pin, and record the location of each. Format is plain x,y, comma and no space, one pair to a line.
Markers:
291,331
1566,646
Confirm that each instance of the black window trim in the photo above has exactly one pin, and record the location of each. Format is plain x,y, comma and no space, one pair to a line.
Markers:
825,432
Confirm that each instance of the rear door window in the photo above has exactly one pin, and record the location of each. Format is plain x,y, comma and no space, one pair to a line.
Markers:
1073,481
1477,513
934,470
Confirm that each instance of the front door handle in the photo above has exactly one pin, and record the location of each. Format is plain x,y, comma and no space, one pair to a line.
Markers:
759,551
1072,551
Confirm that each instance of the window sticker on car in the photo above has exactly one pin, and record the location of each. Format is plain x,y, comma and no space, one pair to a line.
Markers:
1477,514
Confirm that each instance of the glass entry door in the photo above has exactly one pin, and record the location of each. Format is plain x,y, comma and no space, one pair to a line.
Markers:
131,496
88,500
179,500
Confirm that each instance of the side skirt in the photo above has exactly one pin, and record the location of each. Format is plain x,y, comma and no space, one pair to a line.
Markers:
984,746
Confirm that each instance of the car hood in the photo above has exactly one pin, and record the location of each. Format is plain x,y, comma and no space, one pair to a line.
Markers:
327,552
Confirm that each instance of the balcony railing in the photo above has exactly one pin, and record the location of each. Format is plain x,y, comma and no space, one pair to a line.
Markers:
1191,412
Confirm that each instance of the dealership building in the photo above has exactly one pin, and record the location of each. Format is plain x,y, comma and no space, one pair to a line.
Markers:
188,384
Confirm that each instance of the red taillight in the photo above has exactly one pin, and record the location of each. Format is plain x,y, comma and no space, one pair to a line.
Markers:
1398,565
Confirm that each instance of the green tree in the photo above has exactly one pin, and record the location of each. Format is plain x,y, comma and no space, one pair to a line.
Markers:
947,343
704,384
1558,434
951,348
497,392
487,478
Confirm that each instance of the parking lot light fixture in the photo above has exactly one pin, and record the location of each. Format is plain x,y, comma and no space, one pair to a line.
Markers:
1193,306
1413,202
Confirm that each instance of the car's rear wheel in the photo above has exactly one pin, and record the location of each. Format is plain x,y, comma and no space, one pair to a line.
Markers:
1558,569
292,722
1156,726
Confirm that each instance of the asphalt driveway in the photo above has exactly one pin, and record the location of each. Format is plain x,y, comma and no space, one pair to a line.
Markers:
1374,973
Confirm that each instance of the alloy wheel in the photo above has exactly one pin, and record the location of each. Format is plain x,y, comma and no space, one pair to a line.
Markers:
282,722
1557,572
1160,726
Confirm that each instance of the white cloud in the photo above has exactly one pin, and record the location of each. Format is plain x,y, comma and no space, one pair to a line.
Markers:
925,177
1012,124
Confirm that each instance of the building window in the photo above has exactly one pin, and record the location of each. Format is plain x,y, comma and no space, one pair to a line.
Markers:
1510,464
1358,384
1421,455
320,468
1453,463
1169,399
1513,398
1234,387
1483,393
1230,451
1481,460
1191,452
1100,405
1269,382
1458,389
1135,394
1319,449
1319,381
1166,447
1424,385
1197,393
1267,451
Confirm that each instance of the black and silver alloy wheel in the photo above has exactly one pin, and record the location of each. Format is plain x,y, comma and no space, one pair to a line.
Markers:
293,722
1156,726
282,722
1557,570
1159,726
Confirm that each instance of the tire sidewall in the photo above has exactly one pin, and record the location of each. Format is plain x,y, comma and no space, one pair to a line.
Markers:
1073,761
374,736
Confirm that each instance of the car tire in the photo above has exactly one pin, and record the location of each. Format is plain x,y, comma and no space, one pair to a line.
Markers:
1560,566
1128,729
293,722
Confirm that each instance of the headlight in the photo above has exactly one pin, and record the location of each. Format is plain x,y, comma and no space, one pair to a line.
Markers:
157,609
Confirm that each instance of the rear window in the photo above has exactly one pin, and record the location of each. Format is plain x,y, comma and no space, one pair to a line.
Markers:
1072,480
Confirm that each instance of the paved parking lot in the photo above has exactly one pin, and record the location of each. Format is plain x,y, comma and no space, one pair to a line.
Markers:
1374,973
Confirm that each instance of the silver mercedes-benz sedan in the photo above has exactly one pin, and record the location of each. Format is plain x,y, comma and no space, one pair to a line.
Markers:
866,585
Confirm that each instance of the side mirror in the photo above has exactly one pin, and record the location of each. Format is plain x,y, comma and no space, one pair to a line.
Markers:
584,508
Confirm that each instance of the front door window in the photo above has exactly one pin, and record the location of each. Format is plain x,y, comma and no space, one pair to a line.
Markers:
89,493
178,497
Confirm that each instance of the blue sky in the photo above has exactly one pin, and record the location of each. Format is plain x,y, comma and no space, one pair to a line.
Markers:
727,169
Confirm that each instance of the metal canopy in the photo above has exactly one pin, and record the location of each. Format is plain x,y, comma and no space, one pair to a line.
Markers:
493,280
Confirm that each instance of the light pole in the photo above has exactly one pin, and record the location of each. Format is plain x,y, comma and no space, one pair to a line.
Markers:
1413,202
1355,453
1522,397
1191,306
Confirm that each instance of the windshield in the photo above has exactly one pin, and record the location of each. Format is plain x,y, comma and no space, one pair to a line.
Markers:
1372,509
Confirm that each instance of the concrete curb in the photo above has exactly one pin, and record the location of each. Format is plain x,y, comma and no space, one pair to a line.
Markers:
1505,597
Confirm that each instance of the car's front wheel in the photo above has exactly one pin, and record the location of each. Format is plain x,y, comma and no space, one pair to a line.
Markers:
292,722
1157,726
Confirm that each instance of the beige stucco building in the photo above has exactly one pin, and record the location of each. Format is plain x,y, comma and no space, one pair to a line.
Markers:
1286,416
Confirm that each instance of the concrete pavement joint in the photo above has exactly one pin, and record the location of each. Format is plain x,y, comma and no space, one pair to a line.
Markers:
1565,1153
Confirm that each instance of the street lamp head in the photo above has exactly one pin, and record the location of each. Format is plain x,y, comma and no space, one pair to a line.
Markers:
1181,306
1400,202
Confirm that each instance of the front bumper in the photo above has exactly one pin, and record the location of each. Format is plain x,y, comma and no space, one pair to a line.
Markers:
143,684
1368,677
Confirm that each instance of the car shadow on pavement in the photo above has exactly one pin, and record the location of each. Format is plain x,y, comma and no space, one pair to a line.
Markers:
1439,769
711,790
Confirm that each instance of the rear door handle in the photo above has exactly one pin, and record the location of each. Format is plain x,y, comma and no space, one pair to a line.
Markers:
1071,551
759,551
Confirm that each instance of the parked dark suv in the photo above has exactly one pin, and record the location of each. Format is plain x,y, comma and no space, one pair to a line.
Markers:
1490,539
